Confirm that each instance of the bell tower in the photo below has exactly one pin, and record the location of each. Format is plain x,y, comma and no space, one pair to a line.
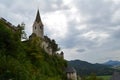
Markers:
38,27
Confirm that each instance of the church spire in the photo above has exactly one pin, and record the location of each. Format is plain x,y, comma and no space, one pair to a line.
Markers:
38,27
38,18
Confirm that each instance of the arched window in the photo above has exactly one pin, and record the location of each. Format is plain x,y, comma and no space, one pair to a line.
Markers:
40,27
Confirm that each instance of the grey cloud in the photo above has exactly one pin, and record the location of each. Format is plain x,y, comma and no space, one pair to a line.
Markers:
98,16
81,50
116,34
50,6
98,12
74,39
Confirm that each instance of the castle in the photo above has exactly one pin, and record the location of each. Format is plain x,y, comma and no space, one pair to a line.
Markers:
38,30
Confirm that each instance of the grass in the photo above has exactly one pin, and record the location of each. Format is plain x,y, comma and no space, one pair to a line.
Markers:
105,77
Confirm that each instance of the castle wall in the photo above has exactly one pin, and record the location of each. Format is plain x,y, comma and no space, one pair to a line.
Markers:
72,76
46,47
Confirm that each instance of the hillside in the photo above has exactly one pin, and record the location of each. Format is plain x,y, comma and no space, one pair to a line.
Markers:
85,68
113,64
26,60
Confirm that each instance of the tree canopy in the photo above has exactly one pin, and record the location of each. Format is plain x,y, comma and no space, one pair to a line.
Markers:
25,60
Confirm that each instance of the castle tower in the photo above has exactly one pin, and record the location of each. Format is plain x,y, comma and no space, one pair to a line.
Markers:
38,28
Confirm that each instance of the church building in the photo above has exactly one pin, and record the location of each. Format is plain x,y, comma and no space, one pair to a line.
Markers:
38,27
38,30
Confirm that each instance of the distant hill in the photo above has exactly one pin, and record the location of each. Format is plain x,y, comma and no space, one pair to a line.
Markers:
112,63
86,68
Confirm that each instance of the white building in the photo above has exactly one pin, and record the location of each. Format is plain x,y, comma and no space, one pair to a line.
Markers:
71,73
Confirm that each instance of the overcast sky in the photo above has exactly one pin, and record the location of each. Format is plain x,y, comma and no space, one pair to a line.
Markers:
88,30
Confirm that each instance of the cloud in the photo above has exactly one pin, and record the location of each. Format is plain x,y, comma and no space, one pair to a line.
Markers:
91,27
81,50
55,23
100,34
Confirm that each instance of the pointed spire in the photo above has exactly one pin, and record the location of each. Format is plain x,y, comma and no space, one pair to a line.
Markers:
38,18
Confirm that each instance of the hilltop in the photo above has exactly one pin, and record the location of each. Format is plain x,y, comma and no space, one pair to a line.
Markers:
26,60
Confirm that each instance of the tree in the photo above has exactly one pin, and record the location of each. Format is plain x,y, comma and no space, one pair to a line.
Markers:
21,31
54,46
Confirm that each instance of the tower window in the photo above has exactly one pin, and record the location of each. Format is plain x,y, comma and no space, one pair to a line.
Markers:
35,27
40,27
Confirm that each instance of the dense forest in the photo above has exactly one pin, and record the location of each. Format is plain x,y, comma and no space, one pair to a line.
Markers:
26,60
84,68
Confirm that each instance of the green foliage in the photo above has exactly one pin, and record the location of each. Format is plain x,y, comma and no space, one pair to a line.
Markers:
27,60
21,31
92,77
52,44
107,77
84,68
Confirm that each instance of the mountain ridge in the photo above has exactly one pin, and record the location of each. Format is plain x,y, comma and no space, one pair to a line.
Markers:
112,63
85,68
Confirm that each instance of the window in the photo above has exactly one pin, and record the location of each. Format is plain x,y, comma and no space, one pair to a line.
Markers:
40,27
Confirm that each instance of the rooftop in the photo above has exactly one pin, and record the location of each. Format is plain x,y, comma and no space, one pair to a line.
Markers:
70,70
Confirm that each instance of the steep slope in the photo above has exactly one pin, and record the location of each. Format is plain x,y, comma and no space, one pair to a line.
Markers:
26,60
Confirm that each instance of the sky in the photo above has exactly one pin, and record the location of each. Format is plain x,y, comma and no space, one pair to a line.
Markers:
87,30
